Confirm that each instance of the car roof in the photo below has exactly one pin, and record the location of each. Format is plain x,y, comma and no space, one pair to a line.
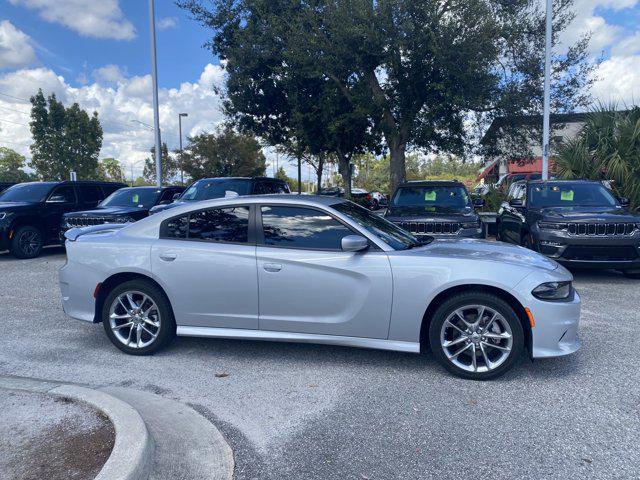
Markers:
431,183
240,178
538,182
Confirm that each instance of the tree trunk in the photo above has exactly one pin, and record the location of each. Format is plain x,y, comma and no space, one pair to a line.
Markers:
344,167
319,171
397,165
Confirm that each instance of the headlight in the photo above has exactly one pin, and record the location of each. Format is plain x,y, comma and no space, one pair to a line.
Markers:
552,291
552,226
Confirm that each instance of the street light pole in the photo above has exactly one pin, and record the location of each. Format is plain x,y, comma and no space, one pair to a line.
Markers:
547,92
154,80
180,115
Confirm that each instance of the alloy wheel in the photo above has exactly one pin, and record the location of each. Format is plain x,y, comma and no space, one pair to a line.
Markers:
134,319
476,338
29,242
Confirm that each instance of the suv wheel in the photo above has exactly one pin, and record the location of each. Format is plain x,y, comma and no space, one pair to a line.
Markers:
137,318
635,274
476,335
27,242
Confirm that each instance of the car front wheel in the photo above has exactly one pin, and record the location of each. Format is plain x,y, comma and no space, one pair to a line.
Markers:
138,318
476,335
27,242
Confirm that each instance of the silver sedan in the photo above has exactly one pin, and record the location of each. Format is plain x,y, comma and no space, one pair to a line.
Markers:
318,270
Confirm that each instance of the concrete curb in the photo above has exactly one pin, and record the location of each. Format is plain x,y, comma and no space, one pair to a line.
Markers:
133,448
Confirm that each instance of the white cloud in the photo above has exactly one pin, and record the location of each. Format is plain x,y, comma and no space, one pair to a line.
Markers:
15,47
117,105
109,74
91,18
618,81
166,23
627,46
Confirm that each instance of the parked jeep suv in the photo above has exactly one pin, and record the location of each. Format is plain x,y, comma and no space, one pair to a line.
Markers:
578,223
210,188
30,213
122,206
442,209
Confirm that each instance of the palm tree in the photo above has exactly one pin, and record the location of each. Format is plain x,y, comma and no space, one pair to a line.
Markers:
607,148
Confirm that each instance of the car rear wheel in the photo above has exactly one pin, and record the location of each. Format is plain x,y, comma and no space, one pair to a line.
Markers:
27,242
138,318
635,274
476,335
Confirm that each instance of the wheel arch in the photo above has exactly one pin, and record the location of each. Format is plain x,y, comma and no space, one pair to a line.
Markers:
113,281
502,294
29,221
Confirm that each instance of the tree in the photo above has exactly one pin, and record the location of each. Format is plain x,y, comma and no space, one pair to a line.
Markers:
12,165
64,139
169,162
224,153
111,170
417,70
607,148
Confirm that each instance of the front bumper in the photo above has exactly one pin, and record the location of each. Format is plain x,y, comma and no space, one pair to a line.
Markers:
615,252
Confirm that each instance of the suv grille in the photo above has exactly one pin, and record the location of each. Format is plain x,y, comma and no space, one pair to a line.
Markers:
601,229
430,227
600,253
87,221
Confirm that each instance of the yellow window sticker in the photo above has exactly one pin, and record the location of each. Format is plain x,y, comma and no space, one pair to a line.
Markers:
566,195
430,196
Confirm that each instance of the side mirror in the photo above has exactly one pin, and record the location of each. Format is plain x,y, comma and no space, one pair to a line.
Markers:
354,243
478,202
516,203
57,199
624,201
176,196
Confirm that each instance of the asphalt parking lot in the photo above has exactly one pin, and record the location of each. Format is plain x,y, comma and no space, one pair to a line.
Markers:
323,412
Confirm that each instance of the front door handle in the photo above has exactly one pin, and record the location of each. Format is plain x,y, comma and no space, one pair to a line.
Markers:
272,267
168,257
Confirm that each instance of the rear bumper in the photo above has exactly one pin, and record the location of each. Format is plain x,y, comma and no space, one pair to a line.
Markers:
77,285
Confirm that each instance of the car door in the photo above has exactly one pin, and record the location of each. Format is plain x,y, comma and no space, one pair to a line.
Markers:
512,217
90,196
307,284
61,200
206,261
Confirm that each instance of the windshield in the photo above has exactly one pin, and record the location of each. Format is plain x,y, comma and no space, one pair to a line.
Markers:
26,192
132,197
432,197
386,231
571,195
208,189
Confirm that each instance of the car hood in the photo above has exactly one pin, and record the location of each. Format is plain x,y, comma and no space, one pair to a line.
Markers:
107,211
15,206
421,214
496,252
581,214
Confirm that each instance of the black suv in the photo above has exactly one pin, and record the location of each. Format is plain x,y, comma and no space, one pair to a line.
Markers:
5,185
443,209
210,188
122,206
578,223
30,213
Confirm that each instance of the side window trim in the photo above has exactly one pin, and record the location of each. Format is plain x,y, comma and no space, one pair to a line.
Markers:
251,239
73,189
260,229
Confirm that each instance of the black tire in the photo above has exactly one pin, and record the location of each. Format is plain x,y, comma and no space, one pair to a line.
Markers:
27,242
455,302
167,329
634,274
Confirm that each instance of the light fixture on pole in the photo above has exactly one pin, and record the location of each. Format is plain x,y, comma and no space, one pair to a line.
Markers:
180,115
547,92
154,80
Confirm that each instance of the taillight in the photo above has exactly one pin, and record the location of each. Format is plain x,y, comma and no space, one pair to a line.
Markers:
369,197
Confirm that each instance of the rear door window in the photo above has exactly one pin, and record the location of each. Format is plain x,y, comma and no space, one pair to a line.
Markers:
90,195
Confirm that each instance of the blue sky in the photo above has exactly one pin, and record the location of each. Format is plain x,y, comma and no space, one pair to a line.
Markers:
96,53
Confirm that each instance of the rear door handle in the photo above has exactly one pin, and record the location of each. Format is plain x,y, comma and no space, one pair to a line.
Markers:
272,267
168,257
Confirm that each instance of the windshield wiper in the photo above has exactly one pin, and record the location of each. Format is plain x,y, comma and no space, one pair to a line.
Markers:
420,243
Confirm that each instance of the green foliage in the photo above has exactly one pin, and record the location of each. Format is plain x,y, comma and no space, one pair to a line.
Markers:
169,165
111,170
493,200
338,74
64,139
224,153
607,148
281,174
12,165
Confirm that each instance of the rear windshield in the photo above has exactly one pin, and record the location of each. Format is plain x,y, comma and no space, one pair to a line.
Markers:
442,196
132,197
209,189
26,192
571,194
